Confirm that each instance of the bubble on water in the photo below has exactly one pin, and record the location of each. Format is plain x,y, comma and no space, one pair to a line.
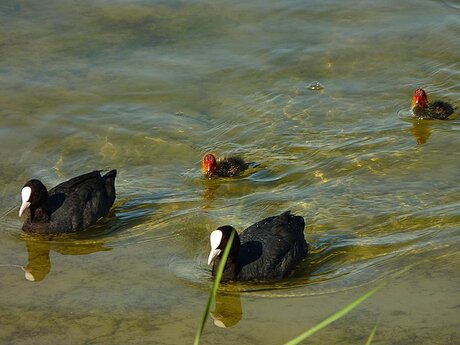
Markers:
315,86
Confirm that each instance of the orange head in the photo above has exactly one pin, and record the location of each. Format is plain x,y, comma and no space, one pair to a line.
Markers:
419,98
209,164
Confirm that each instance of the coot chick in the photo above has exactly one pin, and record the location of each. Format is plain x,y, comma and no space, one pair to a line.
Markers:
267,250
70,206
227,167
434,110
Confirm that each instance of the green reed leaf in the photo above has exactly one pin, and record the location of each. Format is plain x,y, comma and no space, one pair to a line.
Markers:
345,310
337,315
371,336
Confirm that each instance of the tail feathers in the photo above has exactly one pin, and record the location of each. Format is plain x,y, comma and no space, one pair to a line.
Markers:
111,174
297,221
110,185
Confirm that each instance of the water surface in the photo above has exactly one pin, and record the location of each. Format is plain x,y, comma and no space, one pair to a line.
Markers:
148,87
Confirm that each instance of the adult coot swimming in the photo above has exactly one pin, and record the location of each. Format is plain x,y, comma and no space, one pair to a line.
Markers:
226,167
267,250
434,110
70,206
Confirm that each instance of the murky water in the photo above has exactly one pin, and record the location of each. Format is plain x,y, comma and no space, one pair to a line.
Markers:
149,87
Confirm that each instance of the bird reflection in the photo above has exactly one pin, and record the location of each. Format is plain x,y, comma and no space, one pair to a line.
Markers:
227,312
421,131
38,249
39,264
210,187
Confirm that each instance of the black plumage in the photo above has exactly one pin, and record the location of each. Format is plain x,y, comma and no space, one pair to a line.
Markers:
267,250
422,109
231,166
70,206
435,110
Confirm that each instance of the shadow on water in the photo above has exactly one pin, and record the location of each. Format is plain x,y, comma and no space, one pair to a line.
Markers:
227,310
421,131
39,248
98,238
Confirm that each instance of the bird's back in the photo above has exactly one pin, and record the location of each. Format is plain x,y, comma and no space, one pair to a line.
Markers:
271,248
440,110
81,201
231,166
435,110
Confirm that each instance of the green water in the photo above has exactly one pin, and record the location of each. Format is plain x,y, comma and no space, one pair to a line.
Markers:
147,87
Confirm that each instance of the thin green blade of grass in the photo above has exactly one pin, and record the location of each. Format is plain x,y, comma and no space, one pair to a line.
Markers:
345,310
371,336
215,286
337,315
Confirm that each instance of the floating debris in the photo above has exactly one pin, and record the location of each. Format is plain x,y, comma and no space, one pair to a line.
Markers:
315,85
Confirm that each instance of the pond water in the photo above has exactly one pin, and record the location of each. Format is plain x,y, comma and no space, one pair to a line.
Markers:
316,92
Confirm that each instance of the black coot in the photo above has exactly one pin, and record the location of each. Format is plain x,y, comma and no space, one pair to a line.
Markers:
267,250
70,206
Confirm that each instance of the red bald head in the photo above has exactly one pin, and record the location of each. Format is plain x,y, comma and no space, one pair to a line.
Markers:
209,164
420,98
